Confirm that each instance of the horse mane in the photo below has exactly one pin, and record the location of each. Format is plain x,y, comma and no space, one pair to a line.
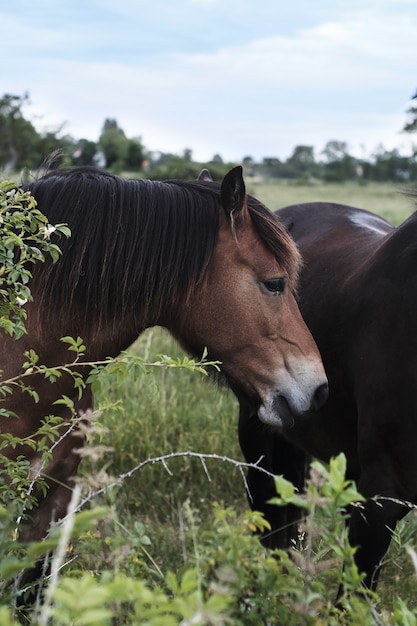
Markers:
135,245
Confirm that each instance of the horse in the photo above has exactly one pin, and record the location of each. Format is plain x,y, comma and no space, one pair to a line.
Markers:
204,260
358,296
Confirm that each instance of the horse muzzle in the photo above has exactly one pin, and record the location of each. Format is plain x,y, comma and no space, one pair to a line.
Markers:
281,410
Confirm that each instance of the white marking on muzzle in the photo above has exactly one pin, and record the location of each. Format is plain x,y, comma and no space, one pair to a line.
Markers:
295,393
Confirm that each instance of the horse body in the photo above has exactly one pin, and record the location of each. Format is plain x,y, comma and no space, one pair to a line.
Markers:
357,294
337,248
204,260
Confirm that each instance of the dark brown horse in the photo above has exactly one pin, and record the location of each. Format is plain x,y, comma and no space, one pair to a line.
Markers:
210,264
358,296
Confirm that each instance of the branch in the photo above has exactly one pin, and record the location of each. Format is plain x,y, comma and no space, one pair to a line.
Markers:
166,457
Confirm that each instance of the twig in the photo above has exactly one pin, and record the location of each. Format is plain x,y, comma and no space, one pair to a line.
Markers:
163,459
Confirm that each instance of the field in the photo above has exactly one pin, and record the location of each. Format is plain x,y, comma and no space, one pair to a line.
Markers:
385,199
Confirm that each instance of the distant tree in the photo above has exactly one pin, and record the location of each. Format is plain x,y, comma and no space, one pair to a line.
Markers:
391,165
249,161
18,137
135,154
271,161
50,143
339,165
114,145
21,145
335,150
249,165
271,167
301,164
187,155
171,166
85,152
411,125
217,160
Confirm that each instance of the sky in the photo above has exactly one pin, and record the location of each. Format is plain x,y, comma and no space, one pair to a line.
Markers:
236,78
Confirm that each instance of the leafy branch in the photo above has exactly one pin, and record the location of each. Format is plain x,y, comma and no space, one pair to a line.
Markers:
84,372
25,239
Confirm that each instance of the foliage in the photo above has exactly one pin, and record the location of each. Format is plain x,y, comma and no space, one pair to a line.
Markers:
227,577
119,151
85,152
17,135
171,166
25,239
411,124
21,146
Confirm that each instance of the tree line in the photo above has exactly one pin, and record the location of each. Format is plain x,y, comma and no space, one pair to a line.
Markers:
23,147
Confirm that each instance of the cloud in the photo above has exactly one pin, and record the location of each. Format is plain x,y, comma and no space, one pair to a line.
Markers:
362,50
217,78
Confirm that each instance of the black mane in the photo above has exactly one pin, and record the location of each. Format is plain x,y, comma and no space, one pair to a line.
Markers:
135,244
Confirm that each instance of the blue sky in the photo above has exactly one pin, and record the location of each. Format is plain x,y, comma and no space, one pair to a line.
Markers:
233,77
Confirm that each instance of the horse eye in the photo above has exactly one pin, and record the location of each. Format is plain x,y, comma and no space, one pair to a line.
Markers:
275,286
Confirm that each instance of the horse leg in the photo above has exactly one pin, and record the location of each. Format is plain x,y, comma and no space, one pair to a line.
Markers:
49,510
278,456
60,478
370,530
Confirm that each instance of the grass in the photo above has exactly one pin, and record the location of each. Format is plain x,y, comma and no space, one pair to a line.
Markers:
176,410
385,199
165,412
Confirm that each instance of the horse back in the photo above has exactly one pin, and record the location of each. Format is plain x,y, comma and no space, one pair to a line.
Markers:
321,228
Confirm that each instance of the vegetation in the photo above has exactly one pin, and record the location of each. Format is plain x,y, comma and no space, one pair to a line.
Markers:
411,124
22,146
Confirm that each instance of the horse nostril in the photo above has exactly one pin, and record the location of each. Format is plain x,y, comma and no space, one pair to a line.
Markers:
320,396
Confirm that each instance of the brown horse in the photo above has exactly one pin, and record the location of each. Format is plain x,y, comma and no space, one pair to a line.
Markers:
209,263
357,294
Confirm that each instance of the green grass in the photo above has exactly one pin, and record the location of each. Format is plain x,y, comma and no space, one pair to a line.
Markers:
161,413
385,199
176,410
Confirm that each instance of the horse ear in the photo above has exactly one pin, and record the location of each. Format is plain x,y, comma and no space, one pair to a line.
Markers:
205,176
233,193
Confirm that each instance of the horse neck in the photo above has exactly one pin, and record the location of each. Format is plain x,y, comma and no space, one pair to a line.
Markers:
105,340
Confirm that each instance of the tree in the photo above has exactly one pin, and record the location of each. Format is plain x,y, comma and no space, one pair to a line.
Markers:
340,165
21,145
217,160
171,166
49,143
135,154
411,125
390,165
335,150
85,152
114,144
187,155
301,163
18,137
248,161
